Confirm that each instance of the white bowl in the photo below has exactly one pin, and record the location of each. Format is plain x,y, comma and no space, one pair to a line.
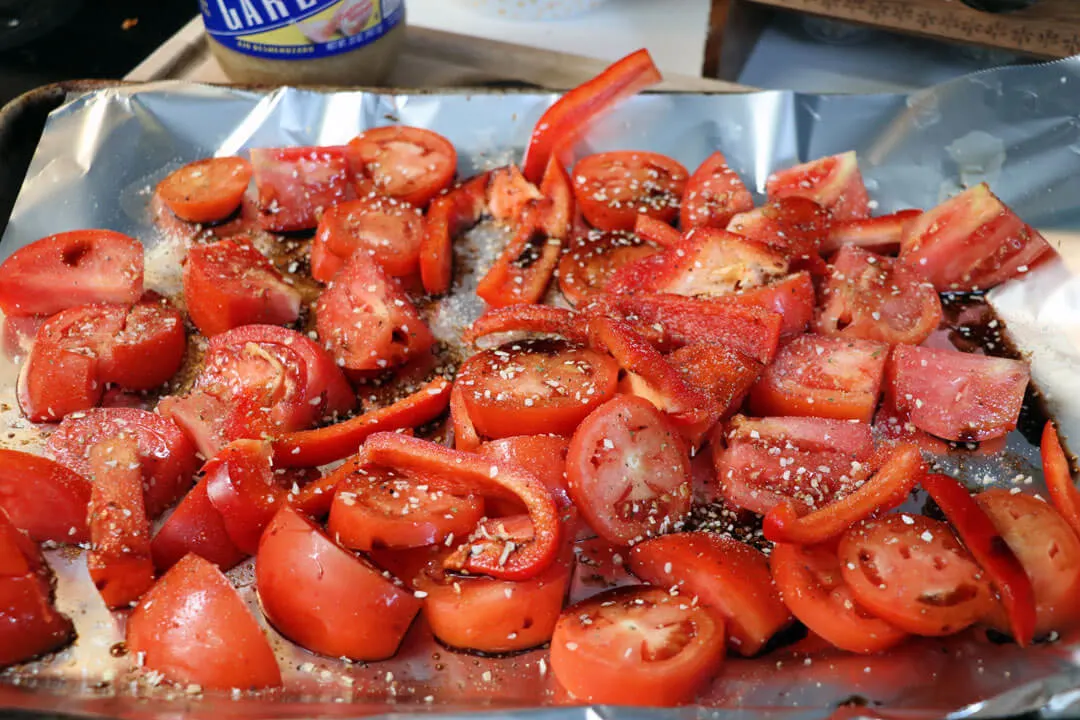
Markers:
531,9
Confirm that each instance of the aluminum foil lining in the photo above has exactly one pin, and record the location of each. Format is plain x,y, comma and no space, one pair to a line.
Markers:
1017,128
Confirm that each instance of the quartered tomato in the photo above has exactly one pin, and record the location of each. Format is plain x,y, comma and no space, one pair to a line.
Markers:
954,395
971,241
405,163
913,573
229,284
534,386
792,297
388,230
44,498
151,329
793,227
585,270
818,376
880,234
613,188
297,184
326,599
243,489
723,574
196,527
813,588
713,194
628,471
208,190
69,269
366,321
805,460
119,558
542,455
54,381
833,182
636,646
1048,550
875,298
193,628
377,508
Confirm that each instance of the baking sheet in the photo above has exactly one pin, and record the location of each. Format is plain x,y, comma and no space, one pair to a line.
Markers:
102,153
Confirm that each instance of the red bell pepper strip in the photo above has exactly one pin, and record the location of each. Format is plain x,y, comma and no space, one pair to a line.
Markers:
649,228
523,270
465,436
556,187
889,486
989,549
453,471
449,215
528,318
1063,492
309,448
316,497
567,120
241,485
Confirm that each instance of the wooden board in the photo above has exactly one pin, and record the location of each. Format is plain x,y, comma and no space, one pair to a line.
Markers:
430,59
1050,28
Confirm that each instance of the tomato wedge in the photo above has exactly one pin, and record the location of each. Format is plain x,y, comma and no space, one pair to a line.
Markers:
569,118
793,298
714,193
912,572
229,284
614,188
875,298
818,376
193,628
242,488
296,184
833,182
54,382
585,270
44,498
449,215
401,162
990,550
208,190
1059,482
464,473
723,574
71,268
813,588
195,527
793,227
628,471
119,558
326,599
880,234
636,646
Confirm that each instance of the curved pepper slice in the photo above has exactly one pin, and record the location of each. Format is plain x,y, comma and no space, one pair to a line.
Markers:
889,487
449,215
527,318
987,546
507,556
522,272
649,228
1059,482
309,448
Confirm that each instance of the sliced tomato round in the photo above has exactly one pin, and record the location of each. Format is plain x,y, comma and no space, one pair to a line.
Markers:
833,182
208,190
389,230
326,599
628,471
44,498
407,163
826,377
812,587
542,455
872,297
1048,550
228,284
955,395
377,508
912,572
193,628
69,269
612,188
535,386
194,527
714,193
585,270
636,646
366,321
296,184
723,574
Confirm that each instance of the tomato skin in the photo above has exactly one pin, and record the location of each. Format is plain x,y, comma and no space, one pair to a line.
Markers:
207,190
714,193
69,269
1048,551
592,648
229,284
296,184
818,376
528,405
366,322
401,162
542,455
326,599
585,270
613,188
44,498
119,558
833,182
726,575
193,628
810,582
954,395
723,374
912,572
387,229
195,527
